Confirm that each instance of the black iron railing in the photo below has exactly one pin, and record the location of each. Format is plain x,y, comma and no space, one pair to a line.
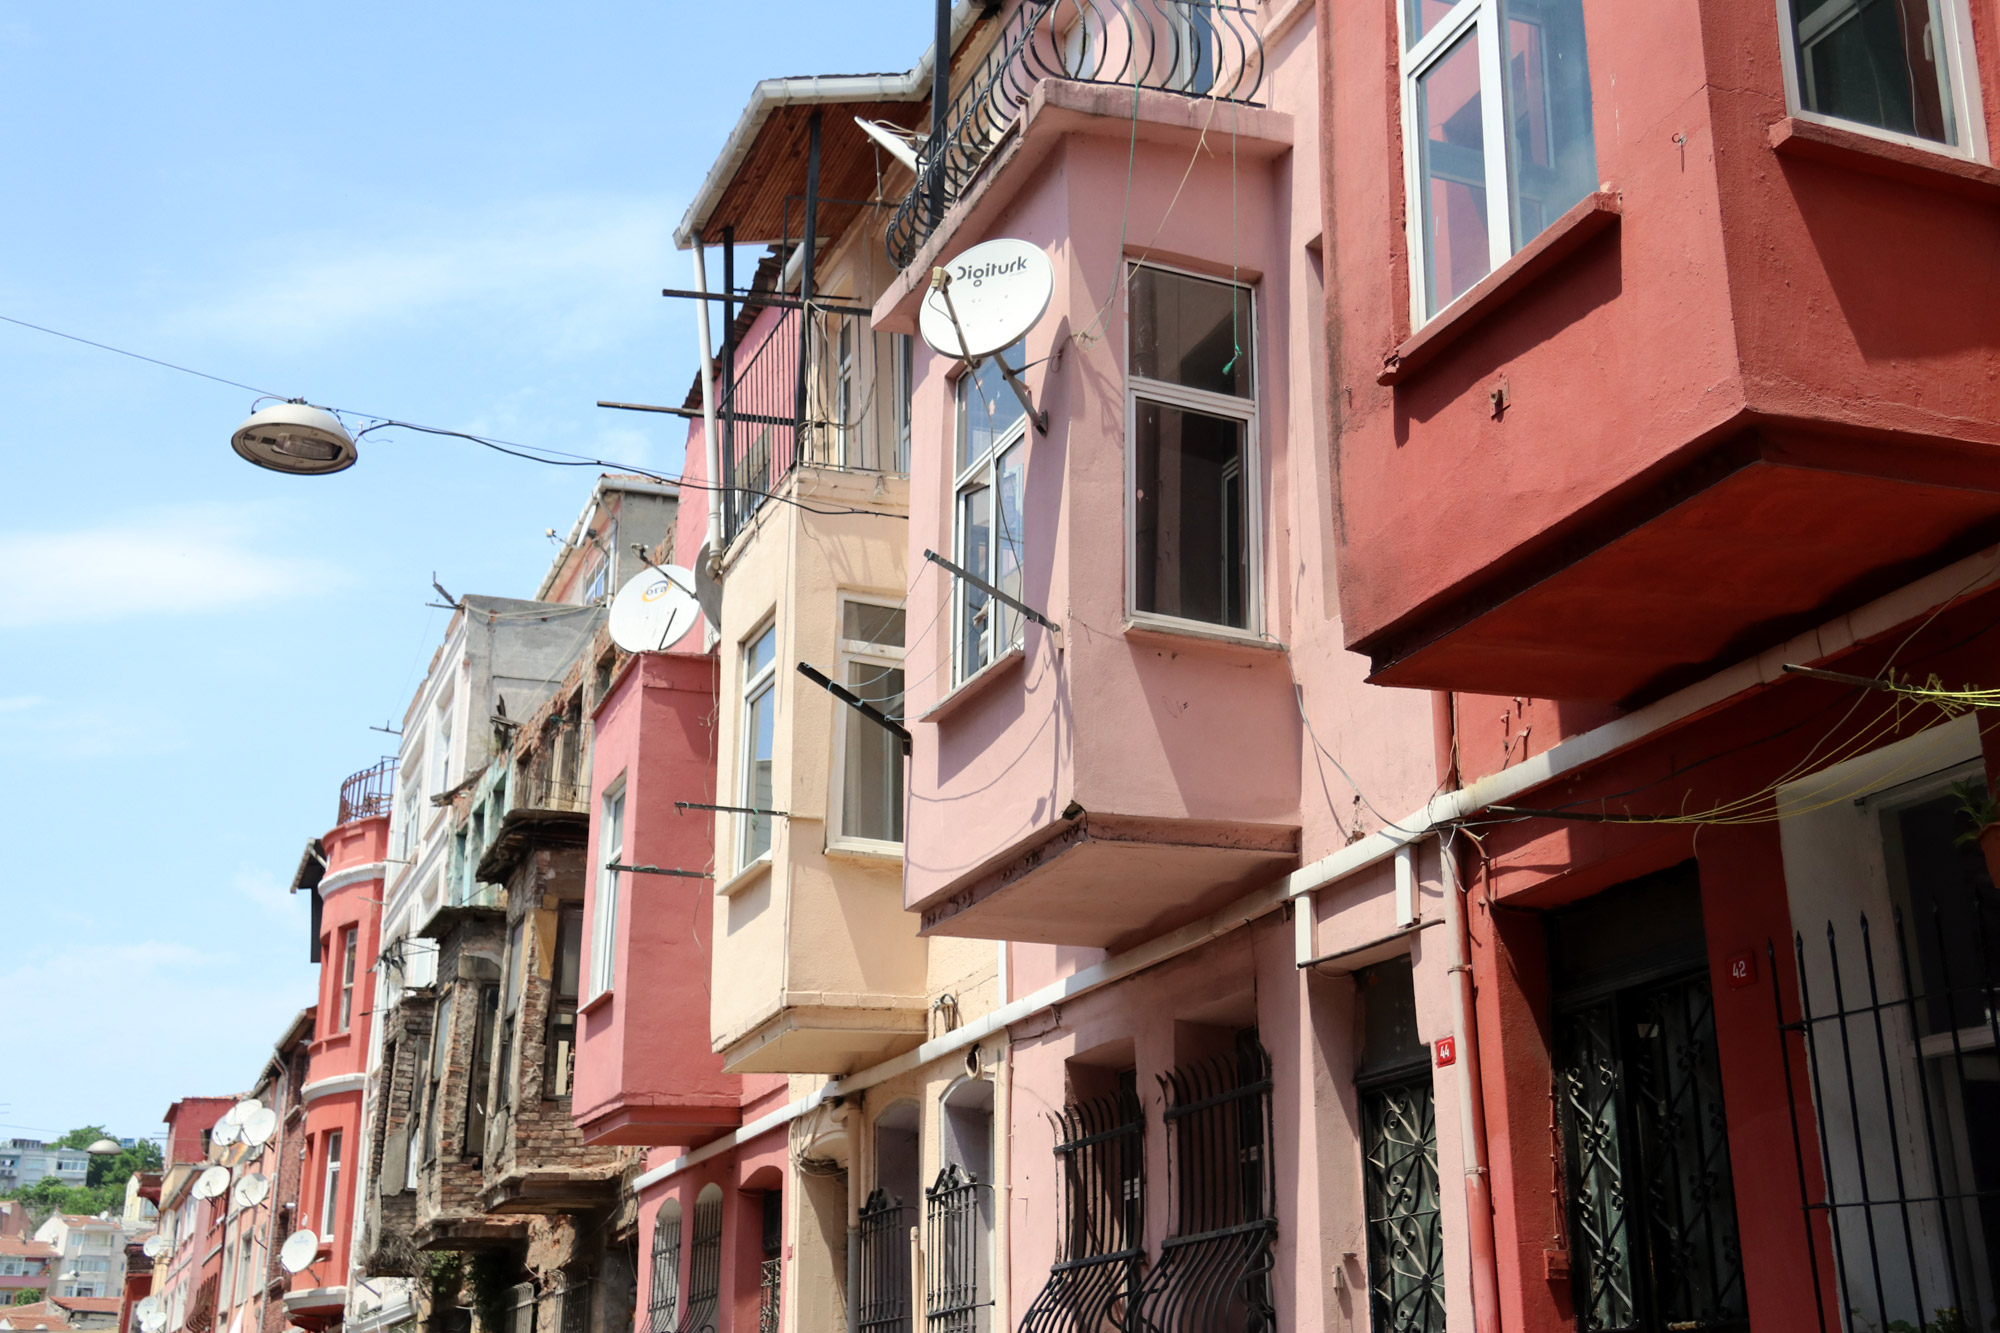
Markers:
883,1304
1902,1094
770,1280
1102,1152
1199,48
575,1304
369,792
1400,1186
956,1225
1215,1269
704,1267
663,1295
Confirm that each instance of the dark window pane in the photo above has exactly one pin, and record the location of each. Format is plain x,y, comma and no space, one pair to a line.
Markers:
1188,540
1876,62
871,624
1191,331
872,787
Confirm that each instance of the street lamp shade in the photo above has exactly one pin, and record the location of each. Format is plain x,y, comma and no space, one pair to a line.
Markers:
297,438
105,1148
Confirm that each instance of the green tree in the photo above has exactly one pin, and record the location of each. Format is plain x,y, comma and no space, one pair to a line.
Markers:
103,1189
28,1296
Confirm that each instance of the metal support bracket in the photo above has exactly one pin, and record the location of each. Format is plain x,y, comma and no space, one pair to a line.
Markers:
993,592
661,870
858,704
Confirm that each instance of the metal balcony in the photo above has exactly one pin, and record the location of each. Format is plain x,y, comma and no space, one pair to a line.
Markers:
1205,49
369,792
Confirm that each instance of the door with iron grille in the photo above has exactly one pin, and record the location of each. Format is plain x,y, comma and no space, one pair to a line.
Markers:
1101,1154
1399,1155
1652,1210
883,1237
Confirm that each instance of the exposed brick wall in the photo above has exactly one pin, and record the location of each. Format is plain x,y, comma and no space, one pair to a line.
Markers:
469,959
392,1210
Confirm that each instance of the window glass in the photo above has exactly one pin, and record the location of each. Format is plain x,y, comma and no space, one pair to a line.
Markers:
1191,332
872,785
865,622
760,699
975,552
1552,153
1189,551
1877,62
988,407
1453,170
1420,16
604,926
901,348
762,652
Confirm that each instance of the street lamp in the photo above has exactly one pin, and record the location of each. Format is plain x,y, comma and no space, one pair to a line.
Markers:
295,437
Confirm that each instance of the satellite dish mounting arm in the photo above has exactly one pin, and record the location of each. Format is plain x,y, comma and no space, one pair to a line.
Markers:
941,284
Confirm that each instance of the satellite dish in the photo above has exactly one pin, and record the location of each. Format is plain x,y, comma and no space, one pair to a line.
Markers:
224,1133
654,608
152,1314
154,1244
211,1183
296,438
250,1190
259,1125
706,590
298,1251
999,290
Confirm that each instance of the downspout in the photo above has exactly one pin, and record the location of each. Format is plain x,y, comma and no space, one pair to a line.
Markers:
715,498
851,1113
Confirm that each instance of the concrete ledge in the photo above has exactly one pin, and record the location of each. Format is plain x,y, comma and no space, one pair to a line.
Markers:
1930,168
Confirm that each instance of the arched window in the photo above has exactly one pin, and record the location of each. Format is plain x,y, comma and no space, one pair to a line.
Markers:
958,1214
704,1263
886,1219
663,1298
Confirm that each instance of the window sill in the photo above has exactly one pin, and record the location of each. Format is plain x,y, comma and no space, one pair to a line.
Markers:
596,1002
874,853
1176,634
974,685
1558,241
1931,168
746,877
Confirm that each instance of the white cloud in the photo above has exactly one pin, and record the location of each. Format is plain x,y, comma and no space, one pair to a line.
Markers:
264,889
169,562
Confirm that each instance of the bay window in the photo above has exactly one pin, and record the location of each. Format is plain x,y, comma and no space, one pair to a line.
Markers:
992,458
759,722
868,764
1190,479
1497,134
1886,64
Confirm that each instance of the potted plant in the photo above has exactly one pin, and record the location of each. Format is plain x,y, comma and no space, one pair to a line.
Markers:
1976,803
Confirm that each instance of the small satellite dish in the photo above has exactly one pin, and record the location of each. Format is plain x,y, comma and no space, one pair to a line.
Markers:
999,290
211,1183
706,590
298,1251
154,1244
296,438
259,1125
654,608
152,1313
250,1190
224,1133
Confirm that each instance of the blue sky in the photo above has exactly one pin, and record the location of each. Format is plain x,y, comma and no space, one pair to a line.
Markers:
450,213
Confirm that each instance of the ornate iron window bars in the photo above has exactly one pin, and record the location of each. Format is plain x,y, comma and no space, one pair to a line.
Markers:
1200,48
704,1267
1101,1151
955,1252
663,1294
1215,1269
1652,1208
884,1299
1400,1186
1903,1096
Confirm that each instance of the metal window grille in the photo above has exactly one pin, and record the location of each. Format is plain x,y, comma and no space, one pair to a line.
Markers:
574,1302
955,1226
769,1280
1903,1089
1101,1150
663,1297
1214,1271
1400,1187
1203,48
704,1267
884,1239
1653,1213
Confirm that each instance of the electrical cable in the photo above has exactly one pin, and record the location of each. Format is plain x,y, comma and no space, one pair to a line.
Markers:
140,356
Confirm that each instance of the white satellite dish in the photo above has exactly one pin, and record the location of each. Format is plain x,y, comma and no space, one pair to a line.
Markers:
706,590
211,1183
298,1251
999,290
154,1244
152,1313
224,1133
250,1190
654,608
259,1125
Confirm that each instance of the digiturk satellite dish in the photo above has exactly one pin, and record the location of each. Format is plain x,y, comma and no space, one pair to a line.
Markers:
154,1244
259,1125
250,1191
996,292
298,1251
295,437
211,1182
654,608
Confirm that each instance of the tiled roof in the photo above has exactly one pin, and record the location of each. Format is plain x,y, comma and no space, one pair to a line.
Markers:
20,1247
88,1304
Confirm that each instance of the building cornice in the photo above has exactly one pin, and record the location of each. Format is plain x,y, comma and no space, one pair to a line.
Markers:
331,1087
353,875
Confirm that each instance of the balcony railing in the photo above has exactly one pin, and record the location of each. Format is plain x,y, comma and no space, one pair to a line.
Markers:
820,388
368,792
1200,48
535,792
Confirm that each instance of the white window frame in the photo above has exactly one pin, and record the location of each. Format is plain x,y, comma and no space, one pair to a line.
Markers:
1416,60
1208,403
348,943
878,655
983,471
1951,26
902,383
329,1213
764,683
604,903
